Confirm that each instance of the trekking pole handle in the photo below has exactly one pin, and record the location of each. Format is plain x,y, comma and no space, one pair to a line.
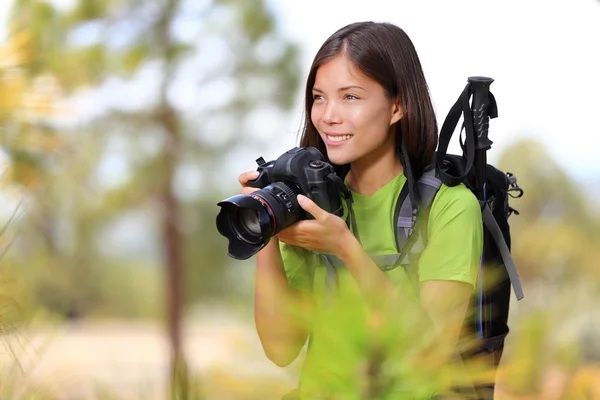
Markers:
480,87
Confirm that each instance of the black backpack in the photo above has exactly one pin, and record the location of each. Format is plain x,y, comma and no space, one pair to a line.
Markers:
490,305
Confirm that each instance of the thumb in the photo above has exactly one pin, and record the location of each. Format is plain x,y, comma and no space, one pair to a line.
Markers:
311,207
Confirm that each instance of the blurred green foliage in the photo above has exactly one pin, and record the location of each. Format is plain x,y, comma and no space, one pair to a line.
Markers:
70,210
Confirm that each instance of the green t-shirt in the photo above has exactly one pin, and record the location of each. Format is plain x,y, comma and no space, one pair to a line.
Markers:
340,333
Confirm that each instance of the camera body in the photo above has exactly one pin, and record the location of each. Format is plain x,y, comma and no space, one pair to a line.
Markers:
304,167
250,220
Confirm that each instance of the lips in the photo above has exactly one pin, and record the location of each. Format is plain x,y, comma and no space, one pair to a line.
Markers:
337,138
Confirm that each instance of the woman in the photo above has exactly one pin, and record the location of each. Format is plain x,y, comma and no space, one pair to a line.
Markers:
365,94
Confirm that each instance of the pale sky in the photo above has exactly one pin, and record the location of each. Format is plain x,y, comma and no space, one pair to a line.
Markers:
544,56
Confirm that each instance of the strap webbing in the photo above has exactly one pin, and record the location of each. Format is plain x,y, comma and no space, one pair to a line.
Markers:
382,260
494,229
461,106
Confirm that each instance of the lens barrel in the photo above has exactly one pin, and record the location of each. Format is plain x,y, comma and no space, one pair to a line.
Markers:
249,221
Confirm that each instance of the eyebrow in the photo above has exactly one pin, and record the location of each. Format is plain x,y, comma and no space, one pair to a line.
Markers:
342,89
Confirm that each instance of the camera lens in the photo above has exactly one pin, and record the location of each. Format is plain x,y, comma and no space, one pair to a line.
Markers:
249,221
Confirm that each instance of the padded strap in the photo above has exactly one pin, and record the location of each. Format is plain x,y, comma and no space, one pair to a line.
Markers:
383,261
404,217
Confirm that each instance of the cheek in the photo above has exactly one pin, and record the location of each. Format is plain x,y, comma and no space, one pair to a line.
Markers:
366,123
315,115
374,121
357,117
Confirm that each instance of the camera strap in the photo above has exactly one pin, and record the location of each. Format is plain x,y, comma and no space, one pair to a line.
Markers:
347,194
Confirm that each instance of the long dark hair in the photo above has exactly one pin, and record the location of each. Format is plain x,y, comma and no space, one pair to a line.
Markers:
384,53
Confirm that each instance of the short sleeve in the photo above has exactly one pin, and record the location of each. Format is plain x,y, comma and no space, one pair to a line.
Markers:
454,237
296,262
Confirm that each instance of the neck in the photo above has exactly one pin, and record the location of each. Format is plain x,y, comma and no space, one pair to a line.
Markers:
373,171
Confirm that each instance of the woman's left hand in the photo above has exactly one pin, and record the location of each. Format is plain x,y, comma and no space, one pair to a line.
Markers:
326,233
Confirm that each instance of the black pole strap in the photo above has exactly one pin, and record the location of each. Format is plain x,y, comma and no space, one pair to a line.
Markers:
461,107
347,195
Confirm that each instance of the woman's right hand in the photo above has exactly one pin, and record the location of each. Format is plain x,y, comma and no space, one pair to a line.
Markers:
244,178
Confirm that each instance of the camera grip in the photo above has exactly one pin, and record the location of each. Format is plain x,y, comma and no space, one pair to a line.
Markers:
260,182
324,201
264,170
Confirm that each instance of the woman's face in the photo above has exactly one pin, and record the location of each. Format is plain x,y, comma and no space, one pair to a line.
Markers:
351,112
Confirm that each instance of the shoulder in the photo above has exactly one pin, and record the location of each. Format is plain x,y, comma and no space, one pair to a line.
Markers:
453,202
456,198
454,237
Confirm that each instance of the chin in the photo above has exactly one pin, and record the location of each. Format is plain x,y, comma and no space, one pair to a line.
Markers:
337,157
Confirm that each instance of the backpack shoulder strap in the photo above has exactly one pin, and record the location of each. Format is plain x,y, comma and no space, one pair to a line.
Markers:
411,237
405,221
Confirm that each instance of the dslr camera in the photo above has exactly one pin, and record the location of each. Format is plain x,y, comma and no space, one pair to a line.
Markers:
249,221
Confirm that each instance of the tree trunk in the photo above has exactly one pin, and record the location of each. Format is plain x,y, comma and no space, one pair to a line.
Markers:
168,120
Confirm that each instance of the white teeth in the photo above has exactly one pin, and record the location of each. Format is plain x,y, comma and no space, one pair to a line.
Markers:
340,138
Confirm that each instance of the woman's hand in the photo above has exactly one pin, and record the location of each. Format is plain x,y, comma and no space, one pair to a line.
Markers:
327,233
244,178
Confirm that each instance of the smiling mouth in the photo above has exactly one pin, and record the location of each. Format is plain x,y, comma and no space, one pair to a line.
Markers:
339,138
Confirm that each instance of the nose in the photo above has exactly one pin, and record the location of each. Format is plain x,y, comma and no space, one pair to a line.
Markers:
332,114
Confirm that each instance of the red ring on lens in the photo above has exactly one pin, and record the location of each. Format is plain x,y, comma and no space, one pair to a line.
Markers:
268,209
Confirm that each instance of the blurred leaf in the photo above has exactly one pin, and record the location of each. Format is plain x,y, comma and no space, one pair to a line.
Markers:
90,9
555,232
135,56
255,21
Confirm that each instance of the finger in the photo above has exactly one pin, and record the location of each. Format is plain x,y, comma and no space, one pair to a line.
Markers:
291,234
248,190
283,237
288,232
247,176
311,207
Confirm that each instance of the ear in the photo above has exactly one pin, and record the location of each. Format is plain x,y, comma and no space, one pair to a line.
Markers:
397,111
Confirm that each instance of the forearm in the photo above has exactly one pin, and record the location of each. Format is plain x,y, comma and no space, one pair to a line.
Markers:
282,314
446,303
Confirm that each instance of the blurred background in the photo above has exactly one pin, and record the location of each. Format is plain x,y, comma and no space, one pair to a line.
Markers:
124,122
